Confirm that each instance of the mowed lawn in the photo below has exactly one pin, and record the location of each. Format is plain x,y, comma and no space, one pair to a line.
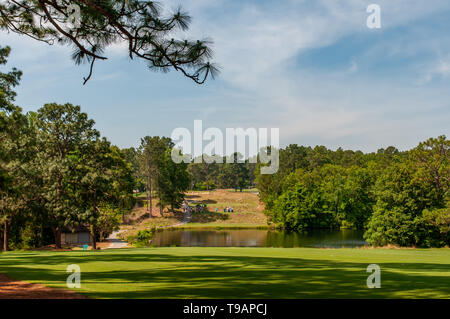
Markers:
190,272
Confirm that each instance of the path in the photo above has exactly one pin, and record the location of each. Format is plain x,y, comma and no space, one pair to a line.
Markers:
116,242
187,217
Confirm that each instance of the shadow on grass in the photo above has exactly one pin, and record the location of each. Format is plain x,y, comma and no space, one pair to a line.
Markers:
207,201
156,275
189,196
209,217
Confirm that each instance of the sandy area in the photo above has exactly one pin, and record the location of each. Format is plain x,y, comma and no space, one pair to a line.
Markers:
12,289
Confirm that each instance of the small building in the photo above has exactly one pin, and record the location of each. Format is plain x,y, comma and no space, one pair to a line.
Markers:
76,236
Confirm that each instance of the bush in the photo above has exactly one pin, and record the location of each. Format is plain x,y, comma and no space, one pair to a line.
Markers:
429,229
202,186
300,208
390,227
144,237
433,228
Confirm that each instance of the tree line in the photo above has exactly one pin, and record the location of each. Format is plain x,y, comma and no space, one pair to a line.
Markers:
157,175
57,172
160,178
398,198
236,173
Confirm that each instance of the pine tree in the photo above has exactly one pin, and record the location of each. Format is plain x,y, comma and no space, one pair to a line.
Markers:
91,26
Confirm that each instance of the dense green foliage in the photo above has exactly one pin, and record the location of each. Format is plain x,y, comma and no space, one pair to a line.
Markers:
412,199
160,174
173,181
63,176
57,173
15,139
398,198
143,238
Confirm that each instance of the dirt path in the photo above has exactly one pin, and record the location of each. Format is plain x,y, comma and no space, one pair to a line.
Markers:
116,242
12,289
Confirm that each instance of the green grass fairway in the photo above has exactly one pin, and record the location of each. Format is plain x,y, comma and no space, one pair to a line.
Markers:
239,272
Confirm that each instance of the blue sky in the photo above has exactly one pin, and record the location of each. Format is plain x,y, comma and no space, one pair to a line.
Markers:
309,67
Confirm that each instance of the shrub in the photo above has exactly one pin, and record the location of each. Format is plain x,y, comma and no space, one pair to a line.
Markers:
202,186
390,227
144,237
429,229
301,208
433,228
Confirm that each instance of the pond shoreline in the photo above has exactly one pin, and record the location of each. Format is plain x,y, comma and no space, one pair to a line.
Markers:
254,237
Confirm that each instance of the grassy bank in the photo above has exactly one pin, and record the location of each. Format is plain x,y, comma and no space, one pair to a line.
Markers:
248,210
218,226
248,213
239,272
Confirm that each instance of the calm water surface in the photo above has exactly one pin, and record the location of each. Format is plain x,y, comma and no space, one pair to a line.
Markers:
258,238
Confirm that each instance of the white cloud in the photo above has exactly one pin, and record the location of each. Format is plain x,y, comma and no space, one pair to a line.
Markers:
438,70
256,46
257,42
353,67
443,68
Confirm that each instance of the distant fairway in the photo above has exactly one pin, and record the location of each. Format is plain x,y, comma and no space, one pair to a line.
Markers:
239,272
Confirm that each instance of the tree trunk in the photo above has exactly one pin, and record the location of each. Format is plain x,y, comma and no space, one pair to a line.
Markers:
57,233
5,236
150,195
1,240
149,189
94,239
41,236
161,208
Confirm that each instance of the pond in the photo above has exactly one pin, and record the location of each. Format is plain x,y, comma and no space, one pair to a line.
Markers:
259,238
